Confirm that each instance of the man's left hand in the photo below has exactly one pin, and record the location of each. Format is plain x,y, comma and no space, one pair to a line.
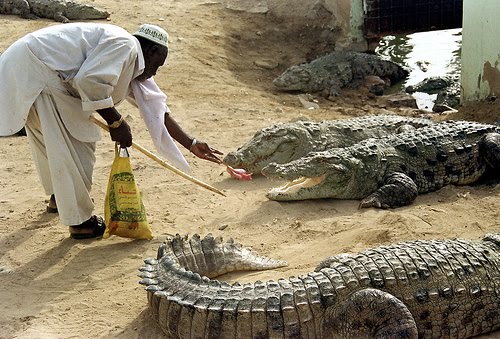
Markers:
203,151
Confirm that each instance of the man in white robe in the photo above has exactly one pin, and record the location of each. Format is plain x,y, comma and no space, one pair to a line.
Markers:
53,79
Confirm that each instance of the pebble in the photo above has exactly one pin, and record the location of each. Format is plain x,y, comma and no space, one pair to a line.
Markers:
308,104
4,269
266,64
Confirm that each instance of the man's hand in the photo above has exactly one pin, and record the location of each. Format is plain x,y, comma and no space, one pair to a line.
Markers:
203,151
122,134
118,128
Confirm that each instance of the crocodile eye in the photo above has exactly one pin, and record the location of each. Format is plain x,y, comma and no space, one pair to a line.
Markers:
280,133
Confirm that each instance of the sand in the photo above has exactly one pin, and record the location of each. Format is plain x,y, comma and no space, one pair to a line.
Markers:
218,81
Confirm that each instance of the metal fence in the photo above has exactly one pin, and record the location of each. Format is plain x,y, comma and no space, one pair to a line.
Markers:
384,17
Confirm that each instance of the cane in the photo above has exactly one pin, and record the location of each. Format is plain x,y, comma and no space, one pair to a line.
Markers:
162,162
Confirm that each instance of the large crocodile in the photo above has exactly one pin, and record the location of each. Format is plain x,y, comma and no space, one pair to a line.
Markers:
426,289
391,171
336,70
58,10
285,142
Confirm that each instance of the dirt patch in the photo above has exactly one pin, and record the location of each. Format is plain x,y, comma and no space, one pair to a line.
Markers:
487,111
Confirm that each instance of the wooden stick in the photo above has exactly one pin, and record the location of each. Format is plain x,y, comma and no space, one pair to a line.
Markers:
161,161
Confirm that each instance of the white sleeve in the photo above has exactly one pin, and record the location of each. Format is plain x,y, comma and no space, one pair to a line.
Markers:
151,102
101,71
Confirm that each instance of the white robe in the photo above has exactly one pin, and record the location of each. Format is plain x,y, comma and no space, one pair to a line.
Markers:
58,76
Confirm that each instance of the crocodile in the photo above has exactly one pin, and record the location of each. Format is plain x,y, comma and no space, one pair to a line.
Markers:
433,84
391,171
336,70
447,98
284,142
57,10
442,288
447,89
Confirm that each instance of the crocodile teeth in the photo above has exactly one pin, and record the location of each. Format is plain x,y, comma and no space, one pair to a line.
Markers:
296,185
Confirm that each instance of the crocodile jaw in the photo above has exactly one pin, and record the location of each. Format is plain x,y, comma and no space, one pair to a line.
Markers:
277,144
298,189
255,163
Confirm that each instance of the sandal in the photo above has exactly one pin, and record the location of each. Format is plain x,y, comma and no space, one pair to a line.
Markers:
52,206
92,228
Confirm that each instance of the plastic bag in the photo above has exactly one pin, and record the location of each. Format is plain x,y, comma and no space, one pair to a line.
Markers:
124,212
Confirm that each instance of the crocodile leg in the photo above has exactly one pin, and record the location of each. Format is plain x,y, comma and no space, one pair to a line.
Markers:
335,88
371,313
22,8
490,148
59,17
398,190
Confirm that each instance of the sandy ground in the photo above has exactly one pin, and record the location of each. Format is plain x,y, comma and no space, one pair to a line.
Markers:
56,287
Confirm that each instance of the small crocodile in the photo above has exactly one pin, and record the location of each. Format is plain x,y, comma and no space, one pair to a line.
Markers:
432,84
414,289
390,172
447,89
447,98
58,10
337,70
285,142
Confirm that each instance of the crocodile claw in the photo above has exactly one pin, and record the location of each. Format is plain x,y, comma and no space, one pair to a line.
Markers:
371,201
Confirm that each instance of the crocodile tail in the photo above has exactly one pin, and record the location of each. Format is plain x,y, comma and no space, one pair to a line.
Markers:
368,64
393,71
212,257
188,305
493,237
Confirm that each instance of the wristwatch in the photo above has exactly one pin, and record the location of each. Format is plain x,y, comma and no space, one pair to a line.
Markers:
117,123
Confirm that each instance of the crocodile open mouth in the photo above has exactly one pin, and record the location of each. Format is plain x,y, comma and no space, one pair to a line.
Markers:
294,187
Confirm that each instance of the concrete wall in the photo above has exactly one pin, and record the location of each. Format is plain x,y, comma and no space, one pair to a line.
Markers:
345,16
480,50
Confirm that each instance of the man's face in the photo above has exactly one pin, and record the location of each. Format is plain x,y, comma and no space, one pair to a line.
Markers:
154,57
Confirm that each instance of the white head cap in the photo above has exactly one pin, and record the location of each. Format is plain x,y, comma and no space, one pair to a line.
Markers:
153,33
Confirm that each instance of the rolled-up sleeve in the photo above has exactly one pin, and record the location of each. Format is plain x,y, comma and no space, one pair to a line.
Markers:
103,67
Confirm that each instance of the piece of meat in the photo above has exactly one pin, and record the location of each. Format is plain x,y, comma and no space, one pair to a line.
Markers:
239,173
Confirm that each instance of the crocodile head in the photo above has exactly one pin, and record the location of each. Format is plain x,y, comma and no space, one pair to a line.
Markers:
279,143
323,174
297,78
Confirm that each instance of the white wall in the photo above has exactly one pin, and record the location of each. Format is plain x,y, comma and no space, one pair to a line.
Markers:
480,50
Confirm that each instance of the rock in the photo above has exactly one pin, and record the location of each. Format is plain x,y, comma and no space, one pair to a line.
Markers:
5,269
402,100
375,84
266,64
307,104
